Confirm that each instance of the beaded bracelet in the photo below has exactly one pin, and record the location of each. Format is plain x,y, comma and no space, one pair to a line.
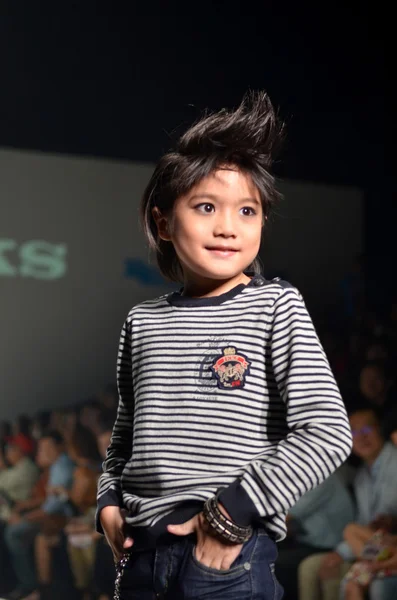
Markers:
224,527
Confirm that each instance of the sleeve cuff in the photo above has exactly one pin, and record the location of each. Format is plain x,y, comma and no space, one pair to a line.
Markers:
110,498
238,504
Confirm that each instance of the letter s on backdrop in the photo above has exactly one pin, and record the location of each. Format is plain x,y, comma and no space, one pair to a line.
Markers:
42,260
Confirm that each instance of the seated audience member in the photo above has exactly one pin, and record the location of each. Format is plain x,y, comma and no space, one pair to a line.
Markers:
18,474
83,451
22,529
88,551
38,495
375,488
35,500
315,524
18,479
81,497
377,576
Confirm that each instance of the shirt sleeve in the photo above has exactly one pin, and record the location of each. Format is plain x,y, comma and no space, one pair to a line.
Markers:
318,436
120,449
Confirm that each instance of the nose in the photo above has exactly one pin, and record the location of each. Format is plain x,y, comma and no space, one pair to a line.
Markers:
224,225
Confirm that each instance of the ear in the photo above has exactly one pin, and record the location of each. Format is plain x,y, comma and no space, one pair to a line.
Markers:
162,224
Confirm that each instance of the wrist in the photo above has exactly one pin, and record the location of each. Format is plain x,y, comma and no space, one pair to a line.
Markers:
222,525
224,511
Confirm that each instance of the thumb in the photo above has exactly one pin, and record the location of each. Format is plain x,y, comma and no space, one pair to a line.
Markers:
128,543
183,528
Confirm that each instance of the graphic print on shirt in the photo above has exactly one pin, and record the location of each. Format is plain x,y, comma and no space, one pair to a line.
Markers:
210,348
230,369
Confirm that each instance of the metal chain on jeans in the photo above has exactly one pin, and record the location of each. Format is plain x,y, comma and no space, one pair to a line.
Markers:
119,574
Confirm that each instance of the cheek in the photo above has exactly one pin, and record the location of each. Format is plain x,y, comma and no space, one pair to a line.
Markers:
253,235
257,238
182,230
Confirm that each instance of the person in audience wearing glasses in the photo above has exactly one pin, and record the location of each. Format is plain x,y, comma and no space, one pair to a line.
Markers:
375,488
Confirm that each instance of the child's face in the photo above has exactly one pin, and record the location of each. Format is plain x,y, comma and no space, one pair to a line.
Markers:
216,228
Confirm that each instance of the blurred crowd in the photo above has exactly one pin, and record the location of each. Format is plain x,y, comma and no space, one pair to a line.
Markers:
342,536
342,542
49,467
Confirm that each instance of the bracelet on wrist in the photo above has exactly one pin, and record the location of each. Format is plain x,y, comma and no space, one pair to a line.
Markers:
224,527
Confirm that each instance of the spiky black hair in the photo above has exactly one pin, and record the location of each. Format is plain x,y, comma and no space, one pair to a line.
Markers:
247,138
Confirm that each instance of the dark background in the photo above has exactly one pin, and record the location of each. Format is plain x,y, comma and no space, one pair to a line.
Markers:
122,79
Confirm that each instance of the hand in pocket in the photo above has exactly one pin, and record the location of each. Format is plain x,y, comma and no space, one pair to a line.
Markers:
210,550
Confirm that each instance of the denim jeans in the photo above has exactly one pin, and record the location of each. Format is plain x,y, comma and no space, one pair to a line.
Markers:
173,573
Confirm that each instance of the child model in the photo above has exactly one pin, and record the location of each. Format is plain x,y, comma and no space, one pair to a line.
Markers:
228,409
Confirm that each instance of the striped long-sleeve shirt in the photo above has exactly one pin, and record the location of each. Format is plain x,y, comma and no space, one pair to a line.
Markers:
232,391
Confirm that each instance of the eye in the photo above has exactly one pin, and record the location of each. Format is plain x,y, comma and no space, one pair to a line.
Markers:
247,211
205,208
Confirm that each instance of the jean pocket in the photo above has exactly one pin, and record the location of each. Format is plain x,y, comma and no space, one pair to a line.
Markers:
240,565
233,570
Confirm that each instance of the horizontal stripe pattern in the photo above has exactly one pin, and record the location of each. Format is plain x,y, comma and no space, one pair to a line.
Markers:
180,436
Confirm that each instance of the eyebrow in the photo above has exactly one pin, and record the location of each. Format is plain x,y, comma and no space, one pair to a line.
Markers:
214,197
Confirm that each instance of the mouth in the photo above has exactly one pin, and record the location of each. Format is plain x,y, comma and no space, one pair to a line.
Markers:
225,251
